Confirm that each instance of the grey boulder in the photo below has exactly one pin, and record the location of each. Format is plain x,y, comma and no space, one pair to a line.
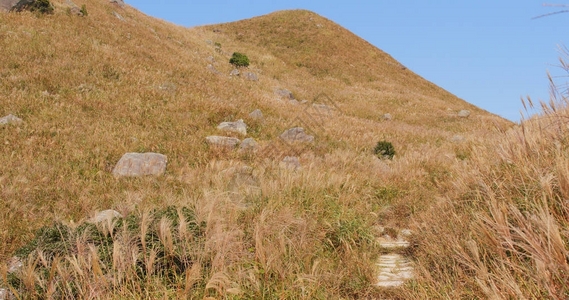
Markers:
237,127
296,134
140,164
222,141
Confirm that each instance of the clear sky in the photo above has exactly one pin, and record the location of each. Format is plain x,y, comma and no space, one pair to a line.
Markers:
489,53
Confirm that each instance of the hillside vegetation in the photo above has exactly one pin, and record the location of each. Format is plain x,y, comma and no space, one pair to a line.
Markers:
484,199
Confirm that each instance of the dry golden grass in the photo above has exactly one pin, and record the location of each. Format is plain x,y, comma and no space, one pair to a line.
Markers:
92,88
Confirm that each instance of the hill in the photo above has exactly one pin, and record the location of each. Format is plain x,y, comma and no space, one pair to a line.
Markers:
92,88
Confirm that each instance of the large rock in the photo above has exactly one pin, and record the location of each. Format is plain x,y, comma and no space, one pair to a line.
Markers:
237,127
140,164
14,5
296,134
10,119
222,141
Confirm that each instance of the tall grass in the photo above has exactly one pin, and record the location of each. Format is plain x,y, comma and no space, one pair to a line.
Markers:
505,232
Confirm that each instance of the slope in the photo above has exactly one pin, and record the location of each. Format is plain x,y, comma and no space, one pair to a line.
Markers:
90,89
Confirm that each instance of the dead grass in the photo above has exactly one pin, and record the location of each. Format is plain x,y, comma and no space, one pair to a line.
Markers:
92,88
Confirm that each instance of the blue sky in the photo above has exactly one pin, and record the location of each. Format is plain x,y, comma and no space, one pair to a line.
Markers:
489,53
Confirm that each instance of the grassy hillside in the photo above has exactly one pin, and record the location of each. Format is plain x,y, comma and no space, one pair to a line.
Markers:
90,89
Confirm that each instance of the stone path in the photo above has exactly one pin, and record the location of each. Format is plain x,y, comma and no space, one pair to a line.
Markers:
394,269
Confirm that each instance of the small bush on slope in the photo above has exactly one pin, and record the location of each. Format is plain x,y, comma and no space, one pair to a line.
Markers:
239,60
384,149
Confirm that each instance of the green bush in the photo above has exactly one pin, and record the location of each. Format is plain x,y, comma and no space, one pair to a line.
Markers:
384,149
239,60
41,6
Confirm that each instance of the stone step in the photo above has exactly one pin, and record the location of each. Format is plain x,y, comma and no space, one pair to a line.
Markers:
394,270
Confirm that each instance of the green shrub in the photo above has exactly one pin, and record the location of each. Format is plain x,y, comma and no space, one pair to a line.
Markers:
239,60
41,6
384,149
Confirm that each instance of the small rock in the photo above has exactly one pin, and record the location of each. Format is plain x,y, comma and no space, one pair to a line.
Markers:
290,162
293,102
116,14
303,101
210,59
168,86
212,69
405,232
117,2
14,265
248,144
209,42
256,115
284,93
323,107
296,134
251,76
5,294
387,117
104,216
10,119
464,113
238,127
457,138
222,141
73,8
234,72
140,164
